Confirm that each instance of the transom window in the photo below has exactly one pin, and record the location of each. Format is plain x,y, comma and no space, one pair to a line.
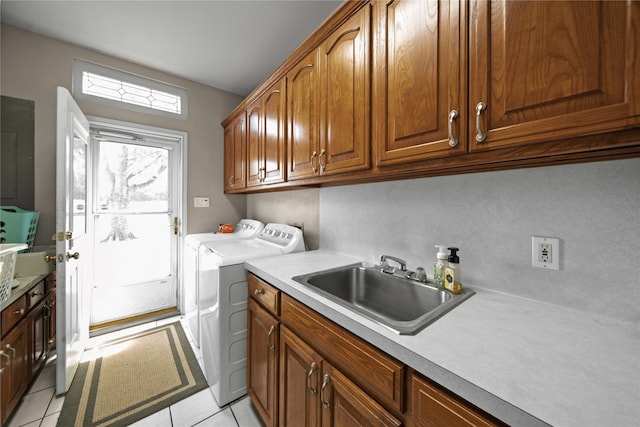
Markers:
126,90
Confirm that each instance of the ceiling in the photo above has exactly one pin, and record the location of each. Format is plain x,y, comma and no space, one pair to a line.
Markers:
230,45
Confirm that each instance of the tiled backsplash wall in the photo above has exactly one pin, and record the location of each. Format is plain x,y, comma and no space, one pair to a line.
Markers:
593,208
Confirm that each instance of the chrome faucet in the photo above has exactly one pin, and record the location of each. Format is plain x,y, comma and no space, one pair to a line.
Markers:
384,265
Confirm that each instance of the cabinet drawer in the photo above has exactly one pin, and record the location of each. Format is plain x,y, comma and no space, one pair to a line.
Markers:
264,293
371,369
13,314
35,295
431,405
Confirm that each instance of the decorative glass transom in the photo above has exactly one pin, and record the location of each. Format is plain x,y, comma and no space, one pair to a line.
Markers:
105,87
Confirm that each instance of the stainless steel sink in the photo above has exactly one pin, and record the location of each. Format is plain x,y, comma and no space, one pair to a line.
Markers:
405,306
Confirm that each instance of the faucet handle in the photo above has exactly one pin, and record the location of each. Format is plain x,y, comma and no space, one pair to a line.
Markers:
420,275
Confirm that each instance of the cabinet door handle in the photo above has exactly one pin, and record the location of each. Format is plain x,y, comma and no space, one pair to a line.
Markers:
453,141
13,350
258,292
480,135
271,329
231,180
312,370
325,383
323,164
2,353
20,312
313,166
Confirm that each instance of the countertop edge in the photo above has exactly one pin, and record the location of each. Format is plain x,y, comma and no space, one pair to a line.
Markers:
26,282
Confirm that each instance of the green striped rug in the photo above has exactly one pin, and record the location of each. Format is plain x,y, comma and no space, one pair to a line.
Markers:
130,378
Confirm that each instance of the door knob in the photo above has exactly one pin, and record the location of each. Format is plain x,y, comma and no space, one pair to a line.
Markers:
74,255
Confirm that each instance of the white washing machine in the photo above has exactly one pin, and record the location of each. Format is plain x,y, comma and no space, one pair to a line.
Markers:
224,302
245,229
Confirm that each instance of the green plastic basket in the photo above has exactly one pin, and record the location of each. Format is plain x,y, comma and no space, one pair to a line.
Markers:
18,225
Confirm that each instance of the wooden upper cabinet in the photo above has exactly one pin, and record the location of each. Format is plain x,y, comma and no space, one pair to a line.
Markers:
344,96
266,137
235,154
551,70
329,103
419,80
303,141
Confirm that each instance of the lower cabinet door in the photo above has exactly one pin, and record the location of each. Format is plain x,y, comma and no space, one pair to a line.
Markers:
15,368
344,404
300,371
39,344
262,366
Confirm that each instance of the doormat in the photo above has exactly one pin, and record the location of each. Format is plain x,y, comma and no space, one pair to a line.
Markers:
130,378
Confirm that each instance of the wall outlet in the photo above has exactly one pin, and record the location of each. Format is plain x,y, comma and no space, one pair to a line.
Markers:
545,252
200,202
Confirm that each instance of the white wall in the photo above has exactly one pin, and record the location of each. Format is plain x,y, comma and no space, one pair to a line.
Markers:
593,208
289,207
32,66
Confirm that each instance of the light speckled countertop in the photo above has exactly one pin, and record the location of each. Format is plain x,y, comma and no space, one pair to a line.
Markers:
25,283
528,363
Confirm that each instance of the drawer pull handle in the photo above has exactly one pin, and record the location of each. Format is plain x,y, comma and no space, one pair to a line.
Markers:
20,312
480,135
271,329
312,370
325,383
36,294
258,292
453,141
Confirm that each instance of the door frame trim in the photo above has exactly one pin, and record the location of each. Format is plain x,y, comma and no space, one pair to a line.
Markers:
182,184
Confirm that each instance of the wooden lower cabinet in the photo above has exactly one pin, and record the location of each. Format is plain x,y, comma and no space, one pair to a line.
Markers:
38,322
300,380
14,368
320,375
433,406
314,393
262,369
345,404
27,327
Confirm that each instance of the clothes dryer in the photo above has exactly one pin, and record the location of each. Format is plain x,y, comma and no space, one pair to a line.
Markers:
245,229
224,305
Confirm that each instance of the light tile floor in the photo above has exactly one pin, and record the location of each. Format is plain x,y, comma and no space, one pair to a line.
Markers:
40,407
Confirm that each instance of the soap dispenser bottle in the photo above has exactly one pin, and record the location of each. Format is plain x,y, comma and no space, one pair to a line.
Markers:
452,272
438,267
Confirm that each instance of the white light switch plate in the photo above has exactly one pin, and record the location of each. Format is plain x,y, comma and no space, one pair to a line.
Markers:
201,202
545,252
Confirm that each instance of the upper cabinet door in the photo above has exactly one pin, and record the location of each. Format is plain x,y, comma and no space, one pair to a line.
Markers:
419,80
254,143
303,143
235,154
541,70
274,104
344,96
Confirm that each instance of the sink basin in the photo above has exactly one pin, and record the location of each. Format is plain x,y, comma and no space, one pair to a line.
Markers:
405,306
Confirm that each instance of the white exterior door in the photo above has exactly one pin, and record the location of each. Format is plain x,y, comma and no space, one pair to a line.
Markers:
137,193
73,248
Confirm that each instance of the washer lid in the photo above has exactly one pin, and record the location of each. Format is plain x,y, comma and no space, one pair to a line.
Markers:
239,252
